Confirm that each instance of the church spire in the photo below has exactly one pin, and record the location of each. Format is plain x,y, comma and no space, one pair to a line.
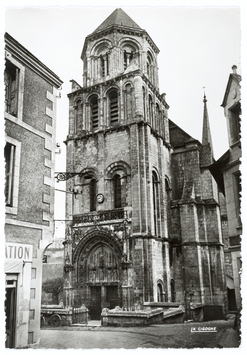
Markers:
206,133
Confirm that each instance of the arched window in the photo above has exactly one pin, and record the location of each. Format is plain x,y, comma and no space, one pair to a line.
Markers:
92,195
113,98
128,56
173,293
159,293
104,65
155,201
117,191
94,112
150,66
157,117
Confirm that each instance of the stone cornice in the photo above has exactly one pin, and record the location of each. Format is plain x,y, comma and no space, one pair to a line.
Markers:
109,82
29,60
121,127
196,243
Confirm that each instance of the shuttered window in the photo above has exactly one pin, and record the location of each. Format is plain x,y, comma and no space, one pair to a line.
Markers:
117,191
113,97
94,112
9,154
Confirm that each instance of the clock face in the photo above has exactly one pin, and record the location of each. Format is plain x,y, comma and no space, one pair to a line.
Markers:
100,198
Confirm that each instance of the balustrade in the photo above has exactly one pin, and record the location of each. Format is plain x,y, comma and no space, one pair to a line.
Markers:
100,216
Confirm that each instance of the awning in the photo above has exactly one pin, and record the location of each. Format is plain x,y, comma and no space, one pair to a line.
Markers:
229,282
13,266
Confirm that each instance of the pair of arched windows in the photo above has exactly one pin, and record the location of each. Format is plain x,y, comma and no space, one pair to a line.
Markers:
156,203
117,192
155,116
93,113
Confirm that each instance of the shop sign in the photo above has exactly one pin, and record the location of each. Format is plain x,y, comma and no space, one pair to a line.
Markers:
16,251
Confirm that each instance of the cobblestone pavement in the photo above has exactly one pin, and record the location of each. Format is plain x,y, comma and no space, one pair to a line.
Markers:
187,336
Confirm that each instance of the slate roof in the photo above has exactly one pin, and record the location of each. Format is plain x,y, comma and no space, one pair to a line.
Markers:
117,17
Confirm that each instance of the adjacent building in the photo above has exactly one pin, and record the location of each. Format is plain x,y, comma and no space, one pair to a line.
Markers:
31,91
144,224
227,172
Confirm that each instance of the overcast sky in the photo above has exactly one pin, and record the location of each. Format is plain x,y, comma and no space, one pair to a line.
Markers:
198,46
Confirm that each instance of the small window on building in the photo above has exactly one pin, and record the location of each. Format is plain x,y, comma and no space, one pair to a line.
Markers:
9,154
94,112
11,80
117,191
113,97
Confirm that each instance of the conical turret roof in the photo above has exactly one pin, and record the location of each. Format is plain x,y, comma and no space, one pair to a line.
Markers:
117,17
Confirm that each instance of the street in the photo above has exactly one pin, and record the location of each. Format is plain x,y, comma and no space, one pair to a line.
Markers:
187,335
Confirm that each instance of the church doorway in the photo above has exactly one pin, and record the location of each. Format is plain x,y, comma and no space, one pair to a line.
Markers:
99,274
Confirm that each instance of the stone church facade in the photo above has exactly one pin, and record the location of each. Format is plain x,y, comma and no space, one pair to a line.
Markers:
142,209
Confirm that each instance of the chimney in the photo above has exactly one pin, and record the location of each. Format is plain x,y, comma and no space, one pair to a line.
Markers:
234,69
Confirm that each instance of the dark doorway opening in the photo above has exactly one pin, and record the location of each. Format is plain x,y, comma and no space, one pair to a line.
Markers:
232,306
112,296
10,312
95,306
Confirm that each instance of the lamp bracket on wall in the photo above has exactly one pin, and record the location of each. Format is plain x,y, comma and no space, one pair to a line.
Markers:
63,176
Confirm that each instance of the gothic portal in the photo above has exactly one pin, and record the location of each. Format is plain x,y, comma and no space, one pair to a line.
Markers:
145,219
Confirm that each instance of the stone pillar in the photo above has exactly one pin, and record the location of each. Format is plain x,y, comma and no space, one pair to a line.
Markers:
121,105
99,67
84,117
138,96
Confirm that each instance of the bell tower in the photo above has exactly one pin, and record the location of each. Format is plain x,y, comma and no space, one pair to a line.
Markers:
118,146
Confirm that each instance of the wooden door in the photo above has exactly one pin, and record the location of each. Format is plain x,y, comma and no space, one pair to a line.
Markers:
95,303
112,296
